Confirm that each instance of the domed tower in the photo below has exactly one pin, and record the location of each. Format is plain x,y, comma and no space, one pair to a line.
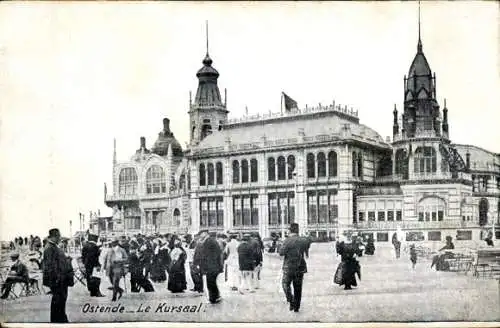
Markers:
165,139
208,113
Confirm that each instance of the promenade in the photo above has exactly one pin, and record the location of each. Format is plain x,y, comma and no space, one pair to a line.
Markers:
390,290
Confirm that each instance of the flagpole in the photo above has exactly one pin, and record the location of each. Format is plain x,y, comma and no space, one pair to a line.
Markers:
281,102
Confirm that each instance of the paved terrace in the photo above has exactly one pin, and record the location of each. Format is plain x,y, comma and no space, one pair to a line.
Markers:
389,291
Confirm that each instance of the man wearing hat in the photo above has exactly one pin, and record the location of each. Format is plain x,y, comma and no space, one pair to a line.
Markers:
18,273
294,266
90,259
56,276
210,263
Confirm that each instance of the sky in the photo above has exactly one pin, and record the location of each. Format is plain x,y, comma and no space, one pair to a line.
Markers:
75,75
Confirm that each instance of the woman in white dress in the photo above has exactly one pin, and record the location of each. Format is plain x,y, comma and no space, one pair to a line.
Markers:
233,266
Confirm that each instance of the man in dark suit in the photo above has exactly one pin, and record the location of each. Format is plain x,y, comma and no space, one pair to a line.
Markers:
90,259
294,266
210,263
194,265
55,276
18,273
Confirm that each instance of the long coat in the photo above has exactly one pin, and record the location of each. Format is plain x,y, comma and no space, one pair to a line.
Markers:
210,257
55,267
90,257
293,250
246,256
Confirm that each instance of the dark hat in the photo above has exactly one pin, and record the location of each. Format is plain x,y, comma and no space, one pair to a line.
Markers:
54,232
14,255
203,231
93,237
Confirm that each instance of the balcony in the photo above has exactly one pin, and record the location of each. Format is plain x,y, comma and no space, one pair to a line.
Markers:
393,225
121,197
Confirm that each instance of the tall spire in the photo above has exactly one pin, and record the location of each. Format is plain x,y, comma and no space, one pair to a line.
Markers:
114,151
419,46
206,30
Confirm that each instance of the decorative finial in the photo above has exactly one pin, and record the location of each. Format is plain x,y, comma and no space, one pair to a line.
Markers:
207,61
114,150
419,46
445,103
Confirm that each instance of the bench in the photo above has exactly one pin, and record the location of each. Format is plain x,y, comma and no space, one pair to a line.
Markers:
487,263
461,262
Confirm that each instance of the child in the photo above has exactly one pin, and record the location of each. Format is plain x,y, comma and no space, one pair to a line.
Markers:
413,255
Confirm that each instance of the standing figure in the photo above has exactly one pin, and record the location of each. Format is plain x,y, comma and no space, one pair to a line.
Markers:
349,265
90,259
57,275
413,256
294,266
195,271
177,271
115,267
210,263
233,267
370,246
246,260
258,248
397,245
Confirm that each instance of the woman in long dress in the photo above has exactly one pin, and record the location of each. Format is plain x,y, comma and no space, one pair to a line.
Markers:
158,266
177,271
349,265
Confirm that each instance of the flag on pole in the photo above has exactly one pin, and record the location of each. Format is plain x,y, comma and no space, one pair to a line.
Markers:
289,102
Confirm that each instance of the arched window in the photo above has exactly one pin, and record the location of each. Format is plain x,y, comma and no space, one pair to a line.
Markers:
218,173
211,174
236,172
332,164
271,169
206,130
177,217
281,168
360,165
310,166
321,165
202,175
155,180
425,160
400,161
127,181
354,164
431,209
291,166
254,173
244,170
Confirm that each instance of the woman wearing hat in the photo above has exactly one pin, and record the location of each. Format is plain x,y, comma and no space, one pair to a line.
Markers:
176,271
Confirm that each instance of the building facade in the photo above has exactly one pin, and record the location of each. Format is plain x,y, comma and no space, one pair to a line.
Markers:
319,167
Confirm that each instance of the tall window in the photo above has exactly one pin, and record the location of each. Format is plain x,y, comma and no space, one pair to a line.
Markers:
332,164
281,168
245,210
202,175
431,209
127,181
354,164
322,207
281,208
425,160
360,165
321,165
211,173
211,212
254,175
218,173
271,169
290,166
310,166
400,161
155,180
244,170
236,172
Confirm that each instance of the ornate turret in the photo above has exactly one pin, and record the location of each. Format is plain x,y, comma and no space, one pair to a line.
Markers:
421,110
208,112
395,125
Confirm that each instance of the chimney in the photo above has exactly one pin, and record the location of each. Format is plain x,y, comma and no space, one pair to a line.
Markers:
166,125
143,143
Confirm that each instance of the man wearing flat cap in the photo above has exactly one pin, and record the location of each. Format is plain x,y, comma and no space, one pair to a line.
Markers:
56,275
90,259
18,273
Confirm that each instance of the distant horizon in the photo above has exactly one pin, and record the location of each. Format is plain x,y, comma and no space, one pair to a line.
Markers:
76,76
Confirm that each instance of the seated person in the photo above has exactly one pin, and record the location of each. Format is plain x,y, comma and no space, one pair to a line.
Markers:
439,260
18,273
